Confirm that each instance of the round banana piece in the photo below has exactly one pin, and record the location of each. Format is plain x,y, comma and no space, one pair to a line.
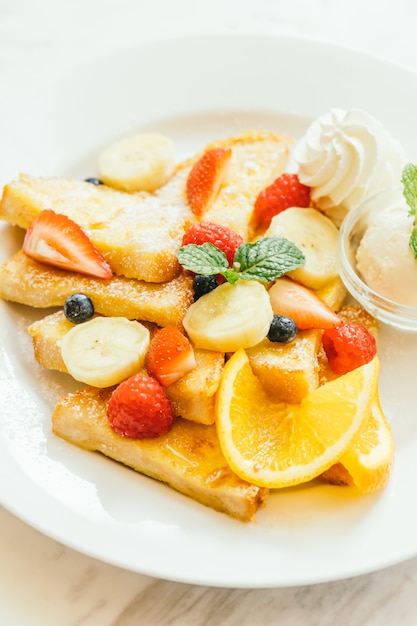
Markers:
105,350
316,236
230,317
140,162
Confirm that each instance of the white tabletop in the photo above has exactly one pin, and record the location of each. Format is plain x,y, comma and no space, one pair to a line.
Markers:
43,583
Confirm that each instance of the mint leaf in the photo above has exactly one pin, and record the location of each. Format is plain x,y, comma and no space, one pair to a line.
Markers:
267,259
264,260
409,181
413,241
203,259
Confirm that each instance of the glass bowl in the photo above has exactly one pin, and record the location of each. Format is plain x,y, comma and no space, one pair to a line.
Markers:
352,230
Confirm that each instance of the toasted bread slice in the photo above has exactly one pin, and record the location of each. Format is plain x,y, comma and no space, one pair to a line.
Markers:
188,458
192,397
263,156
334,293
337,474
287,371
46,334
34,284
138,234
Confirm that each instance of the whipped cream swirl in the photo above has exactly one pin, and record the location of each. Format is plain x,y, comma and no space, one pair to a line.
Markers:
345,157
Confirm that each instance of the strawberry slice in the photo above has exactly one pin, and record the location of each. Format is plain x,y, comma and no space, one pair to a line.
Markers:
170,356
206,177
304,306
55,239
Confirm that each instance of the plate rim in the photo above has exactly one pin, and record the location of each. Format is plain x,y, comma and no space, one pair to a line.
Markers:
249,582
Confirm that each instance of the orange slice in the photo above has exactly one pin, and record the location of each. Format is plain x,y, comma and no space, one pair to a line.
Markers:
275,444
370,456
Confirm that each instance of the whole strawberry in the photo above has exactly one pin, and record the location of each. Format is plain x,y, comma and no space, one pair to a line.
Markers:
138,408
286,191
348,346
220,236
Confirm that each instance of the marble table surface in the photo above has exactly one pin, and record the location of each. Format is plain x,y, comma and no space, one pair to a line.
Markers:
43,583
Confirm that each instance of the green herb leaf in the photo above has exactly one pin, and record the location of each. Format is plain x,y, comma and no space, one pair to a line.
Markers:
264,260
267,259
413,241
409,180
203,259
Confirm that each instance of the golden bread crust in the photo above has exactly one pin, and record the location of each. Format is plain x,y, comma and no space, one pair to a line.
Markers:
138,234
34,284
191,397
188,458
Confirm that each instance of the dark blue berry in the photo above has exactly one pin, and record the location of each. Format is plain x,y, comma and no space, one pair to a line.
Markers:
94,181
282,330
203,284
78,308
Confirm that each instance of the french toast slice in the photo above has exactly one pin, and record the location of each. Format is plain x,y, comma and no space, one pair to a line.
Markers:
191,397
287,371
37,285
263,156
138,234
188,458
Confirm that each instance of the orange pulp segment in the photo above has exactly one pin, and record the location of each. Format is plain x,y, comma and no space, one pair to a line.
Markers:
370,456
276,444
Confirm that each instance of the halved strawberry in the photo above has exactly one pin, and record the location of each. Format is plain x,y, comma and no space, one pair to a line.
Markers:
304,306
206,178
170,356
57,240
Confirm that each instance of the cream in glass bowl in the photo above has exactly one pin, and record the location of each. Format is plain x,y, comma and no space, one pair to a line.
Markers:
376,262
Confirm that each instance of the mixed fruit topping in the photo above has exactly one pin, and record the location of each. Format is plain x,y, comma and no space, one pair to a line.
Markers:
261,303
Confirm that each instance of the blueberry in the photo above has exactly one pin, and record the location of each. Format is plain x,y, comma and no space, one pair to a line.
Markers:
78,308
94,181
203,284
283,329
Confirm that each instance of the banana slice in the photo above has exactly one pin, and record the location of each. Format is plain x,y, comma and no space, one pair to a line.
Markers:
105,350
230,317
316,235
140,162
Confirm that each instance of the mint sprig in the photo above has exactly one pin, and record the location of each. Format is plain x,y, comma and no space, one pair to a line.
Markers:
409,181
264,260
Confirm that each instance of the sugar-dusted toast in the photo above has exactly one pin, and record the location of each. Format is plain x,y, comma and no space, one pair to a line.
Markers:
263,156
138,234
192,397
40,286
188,458
287,371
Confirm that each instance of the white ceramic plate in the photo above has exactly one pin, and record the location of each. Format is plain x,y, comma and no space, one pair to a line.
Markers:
194,91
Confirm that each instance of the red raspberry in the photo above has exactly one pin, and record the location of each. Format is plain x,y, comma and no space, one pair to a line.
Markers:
348,346
286,191
207,232
138,408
